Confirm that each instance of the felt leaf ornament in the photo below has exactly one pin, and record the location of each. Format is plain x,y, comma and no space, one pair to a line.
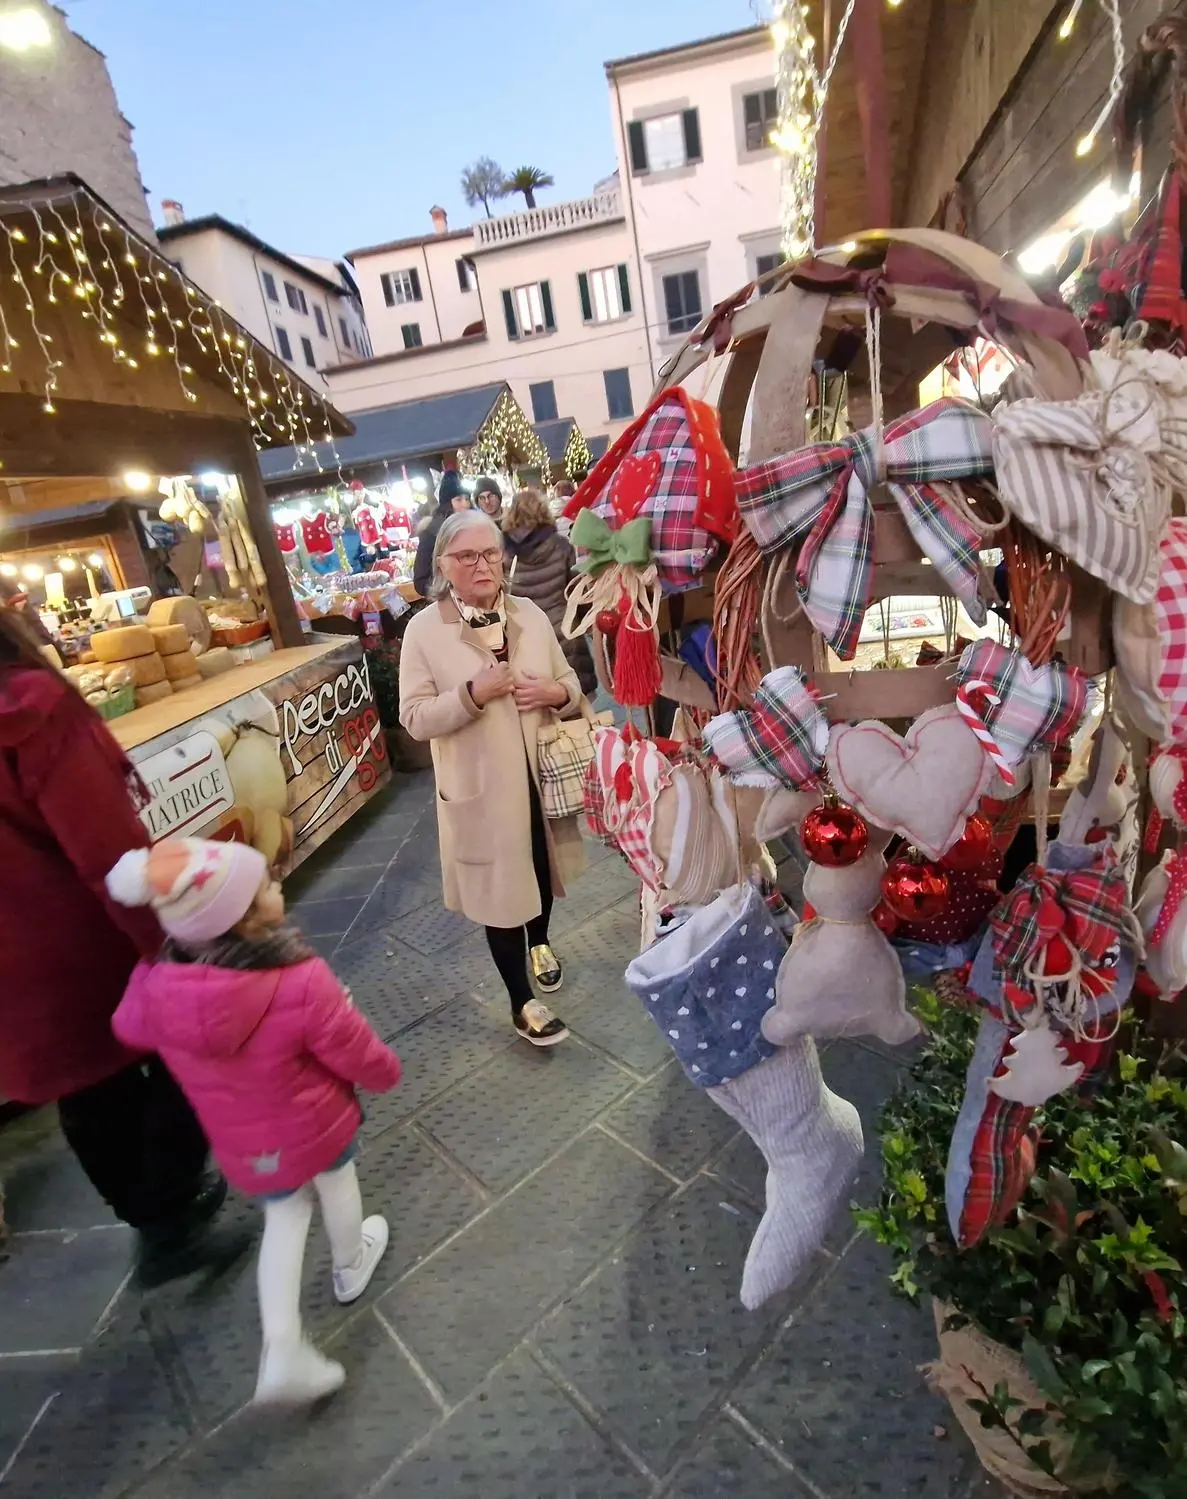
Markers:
1037,1068
780,741
671,466
922,786
1025,709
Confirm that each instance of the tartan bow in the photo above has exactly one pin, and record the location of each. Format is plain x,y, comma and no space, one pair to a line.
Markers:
824,490
1088,907
629,546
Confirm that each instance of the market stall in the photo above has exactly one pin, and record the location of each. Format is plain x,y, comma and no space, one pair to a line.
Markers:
134,521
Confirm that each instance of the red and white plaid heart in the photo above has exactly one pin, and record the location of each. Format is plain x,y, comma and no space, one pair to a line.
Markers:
1026,709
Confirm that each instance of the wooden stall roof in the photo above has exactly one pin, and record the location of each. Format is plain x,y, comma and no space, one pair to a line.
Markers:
61,222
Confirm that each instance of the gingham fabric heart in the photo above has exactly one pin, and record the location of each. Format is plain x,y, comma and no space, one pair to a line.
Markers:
1037,707
780,741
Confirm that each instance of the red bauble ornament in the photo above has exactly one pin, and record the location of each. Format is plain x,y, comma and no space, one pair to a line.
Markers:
973,848
608,621
884,919
834,835
914,888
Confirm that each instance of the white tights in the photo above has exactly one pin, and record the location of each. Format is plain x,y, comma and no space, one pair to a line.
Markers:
282,1249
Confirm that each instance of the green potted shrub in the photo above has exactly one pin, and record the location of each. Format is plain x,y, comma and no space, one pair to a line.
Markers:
1063,1335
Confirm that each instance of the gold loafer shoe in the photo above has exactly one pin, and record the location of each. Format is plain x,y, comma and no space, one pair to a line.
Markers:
546,968
536,1023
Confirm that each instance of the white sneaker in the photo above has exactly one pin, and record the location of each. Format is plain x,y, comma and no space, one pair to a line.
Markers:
296,1374
349,1284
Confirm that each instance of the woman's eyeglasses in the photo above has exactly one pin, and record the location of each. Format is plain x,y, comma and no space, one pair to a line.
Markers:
492,557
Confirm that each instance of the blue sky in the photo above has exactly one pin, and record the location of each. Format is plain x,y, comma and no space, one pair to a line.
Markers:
328,126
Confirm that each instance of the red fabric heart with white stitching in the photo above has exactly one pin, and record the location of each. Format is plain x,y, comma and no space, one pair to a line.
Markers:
634,484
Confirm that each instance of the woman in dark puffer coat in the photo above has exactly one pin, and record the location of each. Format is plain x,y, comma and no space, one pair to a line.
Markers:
540,566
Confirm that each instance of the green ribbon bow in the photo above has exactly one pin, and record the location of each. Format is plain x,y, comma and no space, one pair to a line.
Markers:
629,546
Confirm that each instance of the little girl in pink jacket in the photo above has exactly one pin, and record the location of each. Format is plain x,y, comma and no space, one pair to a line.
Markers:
269,1050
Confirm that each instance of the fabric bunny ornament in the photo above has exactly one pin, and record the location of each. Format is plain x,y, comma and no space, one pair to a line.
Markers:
841,976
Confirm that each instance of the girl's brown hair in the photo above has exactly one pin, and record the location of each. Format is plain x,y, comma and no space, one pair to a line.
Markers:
19,643
527,510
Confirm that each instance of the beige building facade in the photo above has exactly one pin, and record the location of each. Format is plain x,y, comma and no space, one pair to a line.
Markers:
308,311
59,114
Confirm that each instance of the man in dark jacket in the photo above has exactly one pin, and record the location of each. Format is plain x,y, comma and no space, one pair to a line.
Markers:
451,496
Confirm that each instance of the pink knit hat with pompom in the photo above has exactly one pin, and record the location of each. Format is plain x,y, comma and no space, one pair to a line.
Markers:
199,889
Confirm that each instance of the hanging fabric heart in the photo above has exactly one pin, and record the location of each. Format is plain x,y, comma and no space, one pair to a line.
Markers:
780,741
634,484
1025,709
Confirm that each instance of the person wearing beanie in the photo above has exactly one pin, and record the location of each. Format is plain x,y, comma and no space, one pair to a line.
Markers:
489,499
269,1049
68,810
451,497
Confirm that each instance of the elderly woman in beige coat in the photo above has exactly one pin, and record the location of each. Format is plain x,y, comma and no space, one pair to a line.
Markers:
480,673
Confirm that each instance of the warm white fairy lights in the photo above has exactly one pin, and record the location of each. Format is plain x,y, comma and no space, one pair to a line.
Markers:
144,312
1112,9
802,92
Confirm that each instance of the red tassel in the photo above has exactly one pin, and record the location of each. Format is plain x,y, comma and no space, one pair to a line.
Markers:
637,673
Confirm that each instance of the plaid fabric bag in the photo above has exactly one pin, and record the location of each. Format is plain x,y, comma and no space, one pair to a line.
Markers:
670,466
1025,708
780,741
822,493
564,751
1158,295
1088,907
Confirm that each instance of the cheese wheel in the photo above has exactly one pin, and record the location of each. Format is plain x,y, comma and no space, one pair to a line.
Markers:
182,611
181,683
146,671
183,665
153,693
122,643
214,662
171,640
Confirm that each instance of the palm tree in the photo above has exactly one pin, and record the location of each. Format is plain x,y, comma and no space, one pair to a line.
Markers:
483,180
526,180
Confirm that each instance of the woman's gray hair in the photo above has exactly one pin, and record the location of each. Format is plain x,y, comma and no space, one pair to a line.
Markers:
449,529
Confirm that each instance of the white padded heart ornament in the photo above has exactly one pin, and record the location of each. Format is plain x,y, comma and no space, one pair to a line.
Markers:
922,786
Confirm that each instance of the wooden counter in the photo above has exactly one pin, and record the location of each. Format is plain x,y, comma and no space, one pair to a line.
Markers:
138,727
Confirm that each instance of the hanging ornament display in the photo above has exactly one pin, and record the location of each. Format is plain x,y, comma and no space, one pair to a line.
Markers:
973,848
834,834
914,888
315,532
366,523
286,538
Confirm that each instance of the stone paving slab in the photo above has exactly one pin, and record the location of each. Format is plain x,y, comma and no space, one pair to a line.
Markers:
558,1313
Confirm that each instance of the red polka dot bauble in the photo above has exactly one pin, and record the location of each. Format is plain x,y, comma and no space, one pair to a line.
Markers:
834,835
973,848
914,888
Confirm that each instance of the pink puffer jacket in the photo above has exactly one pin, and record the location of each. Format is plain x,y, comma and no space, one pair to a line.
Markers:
269,1058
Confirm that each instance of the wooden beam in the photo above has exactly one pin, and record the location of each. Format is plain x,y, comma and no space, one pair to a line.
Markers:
286,624
866,41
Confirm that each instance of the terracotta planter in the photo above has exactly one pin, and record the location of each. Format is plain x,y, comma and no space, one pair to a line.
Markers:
969,1359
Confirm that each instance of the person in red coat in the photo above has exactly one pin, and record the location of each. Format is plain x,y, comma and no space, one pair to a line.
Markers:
67,951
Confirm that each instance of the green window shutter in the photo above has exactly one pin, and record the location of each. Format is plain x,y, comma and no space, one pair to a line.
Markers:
546,303
692,135
583,292
509,314
414,277
638,146
624,288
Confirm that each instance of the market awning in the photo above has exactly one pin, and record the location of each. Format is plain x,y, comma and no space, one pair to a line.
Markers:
92,299
393,434
566,444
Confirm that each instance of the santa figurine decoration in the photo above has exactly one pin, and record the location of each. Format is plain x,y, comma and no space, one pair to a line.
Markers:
397,524
366,523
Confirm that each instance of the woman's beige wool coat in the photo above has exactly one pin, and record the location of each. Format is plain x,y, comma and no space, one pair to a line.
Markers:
479,760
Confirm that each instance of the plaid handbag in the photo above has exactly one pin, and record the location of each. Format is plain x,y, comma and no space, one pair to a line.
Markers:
564,752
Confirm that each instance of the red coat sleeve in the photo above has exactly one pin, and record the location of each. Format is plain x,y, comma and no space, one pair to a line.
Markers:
74,773
341,1039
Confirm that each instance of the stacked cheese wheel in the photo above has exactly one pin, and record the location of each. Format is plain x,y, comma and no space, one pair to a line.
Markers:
159,661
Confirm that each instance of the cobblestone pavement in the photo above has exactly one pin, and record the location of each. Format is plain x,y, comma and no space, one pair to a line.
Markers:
558,1314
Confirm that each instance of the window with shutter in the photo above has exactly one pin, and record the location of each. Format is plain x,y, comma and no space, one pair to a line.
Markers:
619,404
666,142
465,274
410,333
543,397
692,135
764,264
307,350
282,343
638,147
400,287
602,294
270,286
529,310
509,314
319,318
414,277
546,303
